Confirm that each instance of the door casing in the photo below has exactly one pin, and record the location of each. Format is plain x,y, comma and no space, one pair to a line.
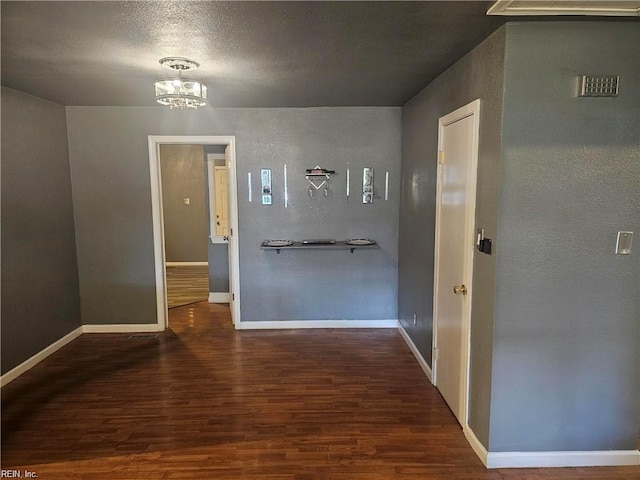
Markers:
154,142
471,109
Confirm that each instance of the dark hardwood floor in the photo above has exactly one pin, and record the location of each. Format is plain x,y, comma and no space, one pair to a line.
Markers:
203,401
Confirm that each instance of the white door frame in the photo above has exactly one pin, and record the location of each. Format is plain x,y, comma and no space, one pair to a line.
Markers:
471,109
158,223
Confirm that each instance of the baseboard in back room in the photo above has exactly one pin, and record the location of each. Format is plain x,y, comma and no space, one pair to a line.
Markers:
290,324
186,264
218,297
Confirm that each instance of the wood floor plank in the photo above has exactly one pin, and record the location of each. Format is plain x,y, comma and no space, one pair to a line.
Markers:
187,284
205,401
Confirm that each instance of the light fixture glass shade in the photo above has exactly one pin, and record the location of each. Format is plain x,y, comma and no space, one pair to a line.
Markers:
180,93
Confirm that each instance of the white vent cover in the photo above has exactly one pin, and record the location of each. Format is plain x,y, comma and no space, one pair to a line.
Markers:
598,86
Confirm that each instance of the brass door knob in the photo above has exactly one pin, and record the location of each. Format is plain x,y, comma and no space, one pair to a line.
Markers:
460,289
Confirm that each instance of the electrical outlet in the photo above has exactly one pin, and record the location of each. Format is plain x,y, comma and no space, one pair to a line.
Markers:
415,319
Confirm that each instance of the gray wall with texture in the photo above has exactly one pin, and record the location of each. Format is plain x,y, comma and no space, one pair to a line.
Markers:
186,226
110,173
554,328
40,294
566,342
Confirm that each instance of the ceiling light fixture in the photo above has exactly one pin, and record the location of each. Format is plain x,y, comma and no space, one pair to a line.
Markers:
179,92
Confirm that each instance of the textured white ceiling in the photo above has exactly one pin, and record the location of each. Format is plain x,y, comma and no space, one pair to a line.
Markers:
251,53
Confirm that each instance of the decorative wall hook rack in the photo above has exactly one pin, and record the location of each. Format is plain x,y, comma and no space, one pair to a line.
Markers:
318,178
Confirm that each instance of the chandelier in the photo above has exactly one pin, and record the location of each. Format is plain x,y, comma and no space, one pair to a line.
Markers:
179,92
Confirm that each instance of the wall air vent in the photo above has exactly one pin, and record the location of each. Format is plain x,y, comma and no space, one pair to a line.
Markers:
598,86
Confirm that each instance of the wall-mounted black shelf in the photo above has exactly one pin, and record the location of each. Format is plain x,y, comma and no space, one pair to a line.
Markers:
304,245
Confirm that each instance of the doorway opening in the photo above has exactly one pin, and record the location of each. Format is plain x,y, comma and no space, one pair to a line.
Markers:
185,217
455,240
231,238
217,176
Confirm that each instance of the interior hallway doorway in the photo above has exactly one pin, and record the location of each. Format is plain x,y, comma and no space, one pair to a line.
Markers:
209,226
185,217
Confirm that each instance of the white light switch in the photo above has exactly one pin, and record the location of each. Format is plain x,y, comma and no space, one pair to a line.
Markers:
187,201
623,243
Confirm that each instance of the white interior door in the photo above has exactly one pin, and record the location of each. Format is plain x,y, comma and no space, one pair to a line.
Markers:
455,243
221,182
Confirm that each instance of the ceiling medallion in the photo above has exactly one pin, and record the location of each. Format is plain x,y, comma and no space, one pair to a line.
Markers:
179,92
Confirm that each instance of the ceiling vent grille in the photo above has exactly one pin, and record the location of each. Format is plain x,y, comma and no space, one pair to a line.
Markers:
598,86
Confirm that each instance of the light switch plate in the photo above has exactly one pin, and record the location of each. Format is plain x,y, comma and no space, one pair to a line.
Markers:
623,243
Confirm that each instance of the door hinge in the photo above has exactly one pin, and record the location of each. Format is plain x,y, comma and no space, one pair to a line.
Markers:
435,354
441,157
233,297
231,232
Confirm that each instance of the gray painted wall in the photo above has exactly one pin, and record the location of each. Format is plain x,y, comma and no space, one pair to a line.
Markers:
218,267
478,75
214,148
563,348
566,345
40,293
186,227
110,173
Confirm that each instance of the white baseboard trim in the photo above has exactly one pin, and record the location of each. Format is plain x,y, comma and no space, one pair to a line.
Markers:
218,297
602,458
38,357
294,324
186,264
412,346
477,446
122,328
